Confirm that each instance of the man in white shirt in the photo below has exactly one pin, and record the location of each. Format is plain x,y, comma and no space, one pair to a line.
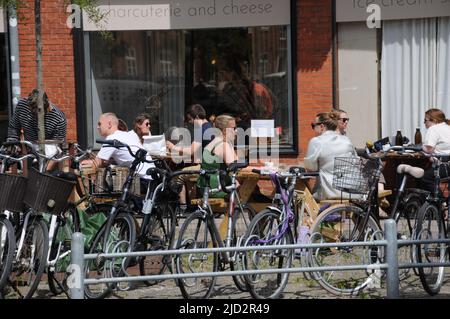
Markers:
107,127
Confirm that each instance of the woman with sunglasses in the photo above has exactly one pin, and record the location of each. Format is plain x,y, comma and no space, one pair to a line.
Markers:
343,121
322,149
141,127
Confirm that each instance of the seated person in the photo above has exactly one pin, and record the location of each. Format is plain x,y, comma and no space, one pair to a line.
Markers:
107,127
196,115
141,127
322,149
219,153
437,140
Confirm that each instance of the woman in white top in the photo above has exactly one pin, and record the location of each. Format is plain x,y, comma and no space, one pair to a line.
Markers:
437,140
141,127
322,150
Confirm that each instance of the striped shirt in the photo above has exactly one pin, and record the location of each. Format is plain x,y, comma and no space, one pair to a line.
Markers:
24,118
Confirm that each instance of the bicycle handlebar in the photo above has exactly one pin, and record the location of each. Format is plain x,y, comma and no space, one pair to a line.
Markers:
34,150
16,159
119,144
300,174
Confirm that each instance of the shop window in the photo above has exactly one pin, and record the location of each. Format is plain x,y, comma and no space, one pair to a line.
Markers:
241,71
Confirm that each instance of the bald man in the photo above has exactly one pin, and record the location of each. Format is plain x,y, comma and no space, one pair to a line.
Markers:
108,128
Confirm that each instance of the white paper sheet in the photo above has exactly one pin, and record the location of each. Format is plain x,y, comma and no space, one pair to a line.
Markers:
263,128
155,145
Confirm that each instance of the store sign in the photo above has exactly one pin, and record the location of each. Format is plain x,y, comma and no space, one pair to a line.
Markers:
2,21
356,10
189,14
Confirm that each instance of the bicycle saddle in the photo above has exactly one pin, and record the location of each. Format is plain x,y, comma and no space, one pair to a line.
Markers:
416,172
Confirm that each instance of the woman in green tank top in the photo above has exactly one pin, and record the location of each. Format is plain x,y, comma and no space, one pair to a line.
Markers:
219,153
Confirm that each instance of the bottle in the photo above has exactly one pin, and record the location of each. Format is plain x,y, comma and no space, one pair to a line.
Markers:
399,139
370,147
418,137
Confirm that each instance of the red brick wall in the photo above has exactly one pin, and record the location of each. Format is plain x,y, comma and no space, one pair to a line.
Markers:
58,59
314,67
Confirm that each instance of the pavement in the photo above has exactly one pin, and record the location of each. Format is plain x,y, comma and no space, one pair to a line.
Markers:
299,287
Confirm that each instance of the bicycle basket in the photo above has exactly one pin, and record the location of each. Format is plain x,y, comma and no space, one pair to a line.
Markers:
13,189
43,187
111,179
354,175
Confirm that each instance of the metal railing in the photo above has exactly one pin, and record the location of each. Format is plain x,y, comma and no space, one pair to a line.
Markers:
391,265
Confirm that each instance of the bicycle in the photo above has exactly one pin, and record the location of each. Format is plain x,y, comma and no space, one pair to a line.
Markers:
41,192
157,231
10,200
67,222
199,230
359,221
118,233
272,226
432,223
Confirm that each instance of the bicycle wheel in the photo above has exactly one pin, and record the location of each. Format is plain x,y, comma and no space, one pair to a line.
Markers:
160,234
406,221
264,230
31,262
430,226
344,224
121,238
241,221
7,249
195,233
68,223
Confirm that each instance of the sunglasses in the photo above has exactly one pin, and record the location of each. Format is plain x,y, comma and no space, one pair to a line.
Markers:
345,119
313,125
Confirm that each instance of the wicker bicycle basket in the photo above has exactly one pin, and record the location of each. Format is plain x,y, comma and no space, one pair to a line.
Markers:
111,179
355,175
13,189
43,187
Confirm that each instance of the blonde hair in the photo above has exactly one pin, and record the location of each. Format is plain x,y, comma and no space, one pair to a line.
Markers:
221,122
436,115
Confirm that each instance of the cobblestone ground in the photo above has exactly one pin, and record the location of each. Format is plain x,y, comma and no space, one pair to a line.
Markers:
298,288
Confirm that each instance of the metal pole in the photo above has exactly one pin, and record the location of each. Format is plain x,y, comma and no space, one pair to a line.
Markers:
13,35
392,259
76,283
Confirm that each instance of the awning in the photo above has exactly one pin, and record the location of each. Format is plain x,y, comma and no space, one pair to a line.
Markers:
189,14
356,10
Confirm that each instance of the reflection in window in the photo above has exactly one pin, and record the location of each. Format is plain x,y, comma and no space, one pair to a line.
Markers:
243,72
130,59
240,71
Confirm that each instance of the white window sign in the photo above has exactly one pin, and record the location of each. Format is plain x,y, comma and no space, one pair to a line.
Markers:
356,10
262,128
189,14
